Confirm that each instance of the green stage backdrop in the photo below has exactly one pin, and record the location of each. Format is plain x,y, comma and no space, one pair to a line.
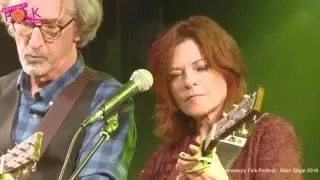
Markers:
280,40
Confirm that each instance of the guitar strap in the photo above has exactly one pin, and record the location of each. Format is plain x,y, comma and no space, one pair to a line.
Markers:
57,113
55,116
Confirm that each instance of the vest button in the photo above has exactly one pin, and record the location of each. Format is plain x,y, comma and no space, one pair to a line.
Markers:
34,115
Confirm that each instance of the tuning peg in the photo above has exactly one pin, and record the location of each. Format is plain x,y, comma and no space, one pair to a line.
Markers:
34,167
246,96
233,133
224,114
235,106
25,171
244,130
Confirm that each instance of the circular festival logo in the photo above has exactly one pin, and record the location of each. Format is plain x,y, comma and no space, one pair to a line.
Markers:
18,15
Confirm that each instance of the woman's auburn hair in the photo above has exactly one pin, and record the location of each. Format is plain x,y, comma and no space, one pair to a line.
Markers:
220,51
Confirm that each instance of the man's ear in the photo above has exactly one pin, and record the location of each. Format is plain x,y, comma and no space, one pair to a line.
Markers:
76,39
76,35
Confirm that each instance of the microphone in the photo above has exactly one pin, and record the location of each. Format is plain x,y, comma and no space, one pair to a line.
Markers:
141,80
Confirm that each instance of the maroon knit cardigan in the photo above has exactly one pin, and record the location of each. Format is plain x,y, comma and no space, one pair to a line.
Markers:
272,148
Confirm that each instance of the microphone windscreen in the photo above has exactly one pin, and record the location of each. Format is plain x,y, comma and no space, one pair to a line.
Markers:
143,78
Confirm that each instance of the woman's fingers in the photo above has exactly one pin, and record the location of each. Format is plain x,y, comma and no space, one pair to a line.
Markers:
194,149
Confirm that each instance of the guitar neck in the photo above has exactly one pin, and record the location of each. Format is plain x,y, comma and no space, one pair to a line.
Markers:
22,155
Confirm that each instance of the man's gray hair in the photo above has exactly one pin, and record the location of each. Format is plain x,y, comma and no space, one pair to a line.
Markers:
88,15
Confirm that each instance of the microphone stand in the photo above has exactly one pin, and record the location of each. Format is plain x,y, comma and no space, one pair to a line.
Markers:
110,126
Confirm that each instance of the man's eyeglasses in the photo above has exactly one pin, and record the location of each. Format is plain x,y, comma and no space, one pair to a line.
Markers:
50,32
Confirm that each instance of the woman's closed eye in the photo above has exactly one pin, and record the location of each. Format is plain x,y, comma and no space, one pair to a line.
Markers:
175,73
203,68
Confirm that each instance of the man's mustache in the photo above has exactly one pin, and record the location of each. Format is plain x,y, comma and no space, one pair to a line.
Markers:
35,54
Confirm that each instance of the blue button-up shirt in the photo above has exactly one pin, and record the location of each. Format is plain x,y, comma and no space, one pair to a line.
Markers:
113,158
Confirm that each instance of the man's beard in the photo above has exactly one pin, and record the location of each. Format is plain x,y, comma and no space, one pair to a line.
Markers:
37,69
39,66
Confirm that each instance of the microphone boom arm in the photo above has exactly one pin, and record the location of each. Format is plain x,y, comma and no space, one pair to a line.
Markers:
110,126
110,106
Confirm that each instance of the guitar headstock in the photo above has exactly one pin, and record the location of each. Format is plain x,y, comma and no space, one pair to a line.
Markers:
238,115
23,155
